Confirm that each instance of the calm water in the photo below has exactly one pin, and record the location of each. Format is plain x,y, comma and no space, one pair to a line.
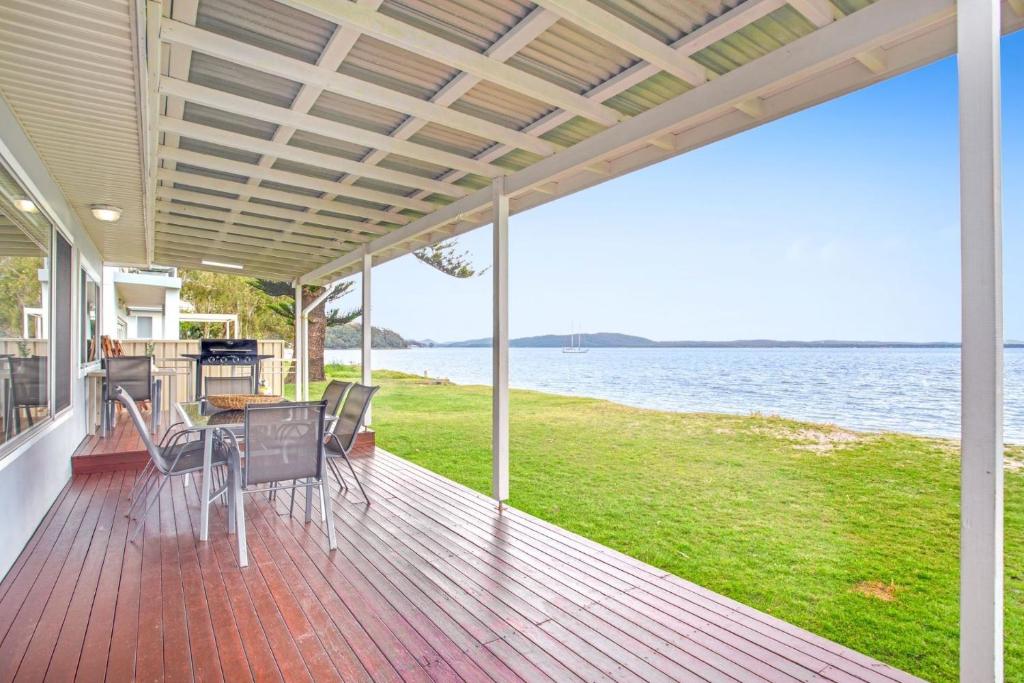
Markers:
907,390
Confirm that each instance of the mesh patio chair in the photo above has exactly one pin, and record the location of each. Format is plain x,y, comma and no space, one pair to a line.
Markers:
28,388
228,385
342,438
175,456
333,395
134,374
283,442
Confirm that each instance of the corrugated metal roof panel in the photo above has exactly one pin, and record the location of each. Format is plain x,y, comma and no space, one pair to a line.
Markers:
236,123
765,35
502,106
269,25
448,140
571,58
320,143
395,68
356,113
470,23
666,21
216,73
203,147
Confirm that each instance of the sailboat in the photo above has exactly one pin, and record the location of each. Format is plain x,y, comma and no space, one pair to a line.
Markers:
575,344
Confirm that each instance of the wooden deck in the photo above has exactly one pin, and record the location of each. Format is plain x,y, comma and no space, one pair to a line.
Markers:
122,448
431,582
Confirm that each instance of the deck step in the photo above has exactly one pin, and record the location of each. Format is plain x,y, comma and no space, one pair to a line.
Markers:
123,450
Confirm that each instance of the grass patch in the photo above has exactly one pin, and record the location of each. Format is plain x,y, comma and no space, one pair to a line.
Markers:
850,535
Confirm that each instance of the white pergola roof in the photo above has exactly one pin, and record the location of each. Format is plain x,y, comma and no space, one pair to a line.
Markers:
293,137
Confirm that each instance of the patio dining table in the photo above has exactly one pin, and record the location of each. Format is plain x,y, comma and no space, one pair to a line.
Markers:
203,417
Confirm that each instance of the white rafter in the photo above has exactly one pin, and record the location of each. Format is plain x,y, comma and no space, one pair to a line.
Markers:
811,57
610,28
274,150
421,42
818,12
326,79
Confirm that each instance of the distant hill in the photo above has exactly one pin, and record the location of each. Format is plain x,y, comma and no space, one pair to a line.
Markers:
598,340
350,337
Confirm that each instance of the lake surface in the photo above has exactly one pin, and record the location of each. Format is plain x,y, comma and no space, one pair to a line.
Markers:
905,390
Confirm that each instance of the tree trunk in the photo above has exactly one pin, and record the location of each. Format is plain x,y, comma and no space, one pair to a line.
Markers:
317,337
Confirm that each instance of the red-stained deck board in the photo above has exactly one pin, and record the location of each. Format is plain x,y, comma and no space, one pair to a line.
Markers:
429,583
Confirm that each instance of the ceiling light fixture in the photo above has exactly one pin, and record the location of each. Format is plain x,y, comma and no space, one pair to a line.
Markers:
220,264
105,213
26,205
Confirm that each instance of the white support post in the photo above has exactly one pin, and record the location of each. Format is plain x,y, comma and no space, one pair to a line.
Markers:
298,342
981,463
305,356
499,345
367,329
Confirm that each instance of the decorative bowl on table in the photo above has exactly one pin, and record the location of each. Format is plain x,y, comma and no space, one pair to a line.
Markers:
240,401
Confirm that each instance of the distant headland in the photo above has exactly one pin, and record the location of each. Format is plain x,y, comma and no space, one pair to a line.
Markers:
598,340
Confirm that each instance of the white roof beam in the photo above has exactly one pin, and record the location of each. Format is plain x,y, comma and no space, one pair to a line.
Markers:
519,36
818,12
610,28
874,60
310,203
297,179
861,31
274,150
752,107
304,222
287,117
241,235
708,34
179,60
365,91
429,45
264,227
173,226
312,223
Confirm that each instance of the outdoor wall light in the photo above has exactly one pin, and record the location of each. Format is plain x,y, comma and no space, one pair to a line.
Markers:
105,213
26,205
220,264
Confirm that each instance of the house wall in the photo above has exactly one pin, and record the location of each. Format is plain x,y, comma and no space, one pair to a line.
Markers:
33,475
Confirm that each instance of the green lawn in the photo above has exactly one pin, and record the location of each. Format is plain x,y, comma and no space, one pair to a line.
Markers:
852,536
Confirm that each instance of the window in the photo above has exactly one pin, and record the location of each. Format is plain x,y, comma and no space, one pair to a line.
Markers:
90,293
144,327
25,295
62,276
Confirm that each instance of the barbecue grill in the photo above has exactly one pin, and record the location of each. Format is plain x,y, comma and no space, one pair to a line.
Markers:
229,352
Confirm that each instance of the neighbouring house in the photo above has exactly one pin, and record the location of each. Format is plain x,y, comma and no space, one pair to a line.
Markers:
147,304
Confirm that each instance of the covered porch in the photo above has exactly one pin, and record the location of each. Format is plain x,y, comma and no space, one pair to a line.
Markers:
307,141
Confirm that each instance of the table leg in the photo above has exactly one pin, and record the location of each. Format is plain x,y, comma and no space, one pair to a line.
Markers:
204,496
231,493
243,549
172,395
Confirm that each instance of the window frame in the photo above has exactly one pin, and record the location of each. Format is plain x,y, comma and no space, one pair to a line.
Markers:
87,274
18,440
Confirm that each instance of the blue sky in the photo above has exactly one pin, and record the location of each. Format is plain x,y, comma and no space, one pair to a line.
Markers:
839,222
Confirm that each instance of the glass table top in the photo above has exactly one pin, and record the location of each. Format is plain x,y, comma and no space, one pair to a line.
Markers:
199,415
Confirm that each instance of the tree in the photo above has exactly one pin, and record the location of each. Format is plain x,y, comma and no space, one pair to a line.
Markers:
19,289
320,318
210,292
443,256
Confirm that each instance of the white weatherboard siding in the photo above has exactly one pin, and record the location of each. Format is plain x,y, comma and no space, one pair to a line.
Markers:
33,474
